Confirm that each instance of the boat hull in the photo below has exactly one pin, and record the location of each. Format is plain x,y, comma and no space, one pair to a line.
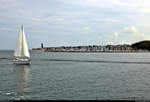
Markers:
21,62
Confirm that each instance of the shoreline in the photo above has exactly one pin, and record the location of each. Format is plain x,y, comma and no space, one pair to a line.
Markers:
100,51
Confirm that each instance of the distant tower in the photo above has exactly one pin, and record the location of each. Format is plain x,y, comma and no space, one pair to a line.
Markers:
41,45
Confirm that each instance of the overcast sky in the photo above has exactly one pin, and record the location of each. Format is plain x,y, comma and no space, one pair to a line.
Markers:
74,22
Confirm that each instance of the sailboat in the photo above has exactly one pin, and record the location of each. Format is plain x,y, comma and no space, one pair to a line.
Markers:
21,53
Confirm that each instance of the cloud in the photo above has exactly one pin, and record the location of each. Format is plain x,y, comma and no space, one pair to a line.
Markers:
128,35
135,35
112,38
83,30
113,5
37,19
5,4
115,35
144,10
86,28
131,29
96,3
5,29
105,20
55,18
110,20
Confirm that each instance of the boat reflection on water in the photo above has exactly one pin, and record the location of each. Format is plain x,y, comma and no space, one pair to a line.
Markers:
22,79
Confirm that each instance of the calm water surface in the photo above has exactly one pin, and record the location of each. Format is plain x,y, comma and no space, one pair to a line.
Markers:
76,76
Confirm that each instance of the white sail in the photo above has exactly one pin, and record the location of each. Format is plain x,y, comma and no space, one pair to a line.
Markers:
18,49
25,51
21,47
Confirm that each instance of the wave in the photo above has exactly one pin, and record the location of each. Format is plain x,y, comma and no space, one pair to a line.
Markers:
96,61
4,58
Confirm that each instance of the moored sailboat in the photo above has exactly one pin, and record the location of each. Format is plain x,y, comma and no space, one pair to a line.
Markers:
21,53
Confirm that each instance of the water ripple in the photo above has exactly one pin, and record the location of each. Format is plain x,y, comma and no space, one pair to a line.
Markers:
95,61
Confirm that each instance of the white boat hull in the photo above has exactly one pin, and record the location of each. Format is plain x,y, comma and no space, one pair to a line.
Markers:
21,61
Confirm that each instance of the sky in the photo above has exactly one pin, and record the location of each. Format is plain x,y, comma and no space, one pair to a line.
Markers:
74,22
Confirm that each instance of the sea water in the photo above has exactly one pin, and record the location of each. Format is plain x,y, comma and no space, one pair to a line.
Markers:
76,76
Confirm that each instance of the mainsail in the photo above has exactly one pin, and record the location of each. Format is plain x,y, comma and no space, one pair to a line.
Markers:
21,47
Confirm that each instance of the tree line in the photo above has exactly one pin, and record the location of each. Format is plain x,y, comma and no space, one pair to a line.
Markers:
141,45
